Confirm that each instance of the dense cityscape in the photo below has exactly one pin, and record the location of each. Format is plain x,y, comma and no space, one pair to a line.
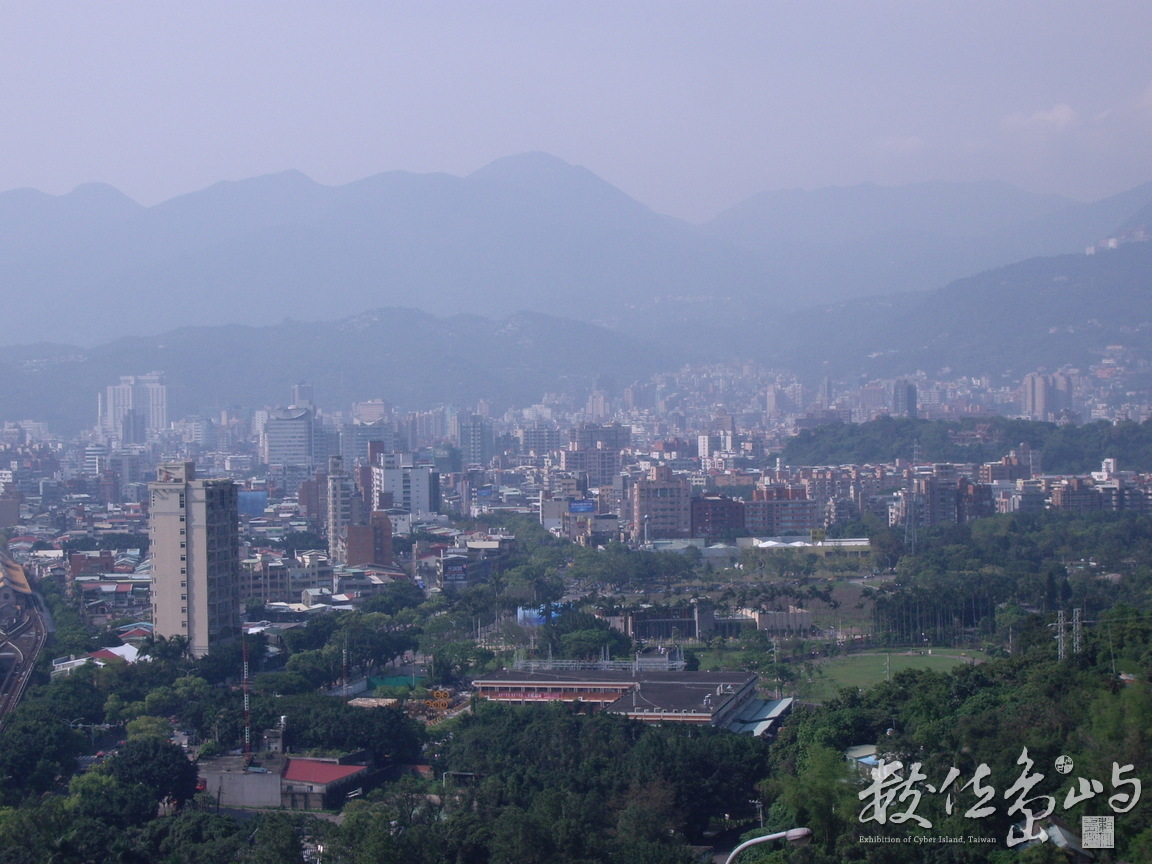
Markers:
695,454
586,551
597,433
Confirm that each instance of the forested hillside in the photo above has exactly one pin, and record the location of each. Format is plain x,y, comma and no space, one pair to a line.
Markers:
1063,449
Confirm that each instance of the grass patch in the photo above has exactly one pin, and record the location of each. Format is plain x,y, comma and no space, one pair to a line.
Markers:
722,661
864,670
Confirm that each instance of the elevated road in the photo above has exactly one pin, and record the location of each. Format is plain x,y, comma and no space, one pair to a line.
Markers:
23,632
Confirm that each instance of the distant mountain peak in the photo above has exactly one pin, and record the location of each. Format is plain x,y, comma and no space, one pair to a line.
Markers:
287,179
533,163
549,176
97,192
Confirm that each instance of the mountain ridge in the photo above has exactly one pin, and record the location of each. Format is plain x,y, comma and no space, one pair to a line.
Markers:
527,232
1043,313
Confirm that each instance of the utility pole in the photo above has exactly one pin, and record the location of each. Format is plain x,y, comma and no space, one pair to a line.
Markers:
1061,626
247,687
345,662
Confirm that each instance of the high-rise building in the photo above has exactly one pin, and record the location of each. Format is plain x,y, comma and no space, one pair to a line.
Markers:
476,446
904,399
1045,397
145,396
290,438
344,507
195,543
356,438
588,436
539,438
661,506
372,411
1036,396
598,465
398,482
302,396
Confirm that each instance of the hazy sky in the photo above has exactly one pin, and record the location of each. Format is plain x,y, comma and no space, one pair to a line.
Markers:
687,106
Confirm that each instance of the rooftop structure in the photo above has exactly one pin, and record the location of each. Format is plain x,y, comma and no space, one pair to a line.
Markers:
720,699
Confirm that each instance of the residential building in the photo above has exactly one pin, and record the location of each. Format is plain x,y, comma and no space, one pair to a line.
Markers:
904,399
344,507
368,544
398,482
598,465
661,506
195,547
717,516
137,403
476,442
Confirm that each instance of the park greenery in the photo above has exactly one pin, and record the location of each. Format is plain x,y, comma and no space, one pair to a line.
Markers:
549,783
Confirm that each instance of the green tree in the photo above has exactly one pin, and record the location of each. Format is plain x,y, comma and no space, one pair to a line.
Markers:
148,727
274,841
100,796
159,766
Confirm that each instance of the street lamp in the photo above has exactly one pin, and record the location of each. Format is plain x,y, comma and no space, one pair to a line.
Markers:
795,836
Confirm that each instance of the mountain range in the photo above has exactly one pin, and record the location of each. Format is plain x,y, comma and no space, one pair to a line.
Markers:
528,233
525,233
532,274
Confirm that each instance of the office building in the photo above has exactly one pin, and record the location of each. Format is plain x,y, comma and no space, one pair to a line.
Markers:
289,438
356,440
195,544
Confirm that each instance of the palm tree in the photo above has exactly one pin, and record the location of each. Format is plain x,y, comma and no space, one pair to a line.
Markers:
171,649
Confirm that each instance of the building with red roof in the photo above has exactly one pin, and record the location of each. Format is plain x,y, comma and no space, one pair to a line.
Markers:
318,784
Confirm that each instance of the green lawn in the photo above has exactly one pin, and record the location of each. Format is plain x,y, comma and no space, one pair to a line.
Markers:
864,670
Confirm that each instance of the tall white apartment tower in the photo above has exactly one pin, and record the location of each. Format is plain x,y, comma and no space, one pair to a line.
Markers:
143,395
415,488
344,507
195,544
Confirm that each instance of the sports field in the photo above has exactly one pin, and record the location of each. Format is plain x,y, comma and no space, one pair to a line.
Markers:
864,670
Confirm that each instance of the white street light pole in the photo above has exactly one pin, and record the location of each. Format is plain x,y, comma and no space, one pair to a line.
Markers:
795,836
